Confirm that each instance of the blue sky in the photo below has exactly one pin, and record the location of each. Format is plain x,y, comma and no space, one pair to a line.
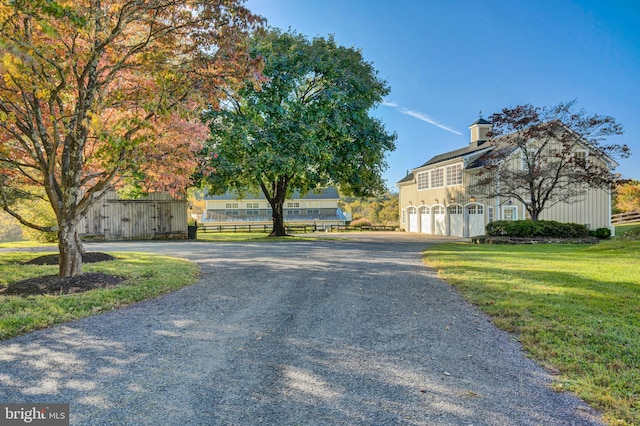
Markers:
448,60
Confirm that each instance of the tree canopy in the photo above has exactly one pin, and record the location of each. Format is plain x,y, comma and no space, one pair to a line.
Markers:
542,156
93,93
627,196
308,125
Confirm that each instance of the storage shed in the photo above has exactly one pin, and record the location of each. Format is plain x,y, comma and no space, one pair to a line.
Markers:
155,216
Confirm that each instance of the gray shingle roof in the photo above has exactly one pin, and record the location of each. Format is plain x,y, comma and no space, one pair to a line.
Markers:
457,153
480,121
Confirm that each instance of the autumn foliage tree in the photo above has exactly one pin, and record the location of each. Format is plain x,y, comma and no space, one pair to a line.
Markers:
542,156
97,92
307,126
627,196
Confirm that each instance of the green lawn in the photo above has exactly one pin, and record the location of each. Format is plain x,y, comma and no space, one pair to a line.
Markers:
622,229
147,276
575,309
26,244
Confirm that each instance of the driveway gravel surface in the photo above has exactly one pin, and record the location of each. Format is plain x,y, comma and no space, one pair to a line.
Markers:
348,331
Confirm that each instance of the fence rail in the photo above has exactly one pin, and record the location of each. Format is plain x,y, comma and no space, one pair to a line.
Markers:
233,228
619,219
362,228
290,228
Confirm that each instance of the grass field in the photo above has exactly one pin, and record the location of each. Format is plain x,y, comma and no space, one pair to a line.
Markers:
621,229
147,276
574,308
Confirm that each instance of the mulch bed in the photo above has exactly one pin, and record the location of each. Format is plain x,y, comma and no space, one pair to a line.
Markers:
54,285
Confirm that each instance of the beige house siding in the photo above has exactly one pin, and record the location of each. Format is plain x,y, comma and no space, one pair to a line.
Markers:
594,211
464,214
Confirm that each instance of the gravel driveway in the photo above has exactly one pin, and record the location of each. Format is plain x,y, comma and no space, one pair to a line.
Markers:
332,332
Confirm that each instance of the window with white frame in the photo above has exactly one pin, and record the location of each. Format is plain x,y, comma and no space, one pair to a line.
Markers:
231,206
455,209
580,157
490,216
253,205
293,205
509,213
475,209
438,210
437,178
402,220
454,175
423,181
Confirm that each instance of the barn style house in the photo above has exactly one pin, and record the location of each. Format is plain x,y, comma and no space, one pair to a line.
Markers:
435,198
319,208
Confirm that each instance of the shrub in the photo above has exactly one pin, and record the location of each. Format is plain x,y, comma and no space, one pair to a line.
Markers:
531,229
603,233
359,223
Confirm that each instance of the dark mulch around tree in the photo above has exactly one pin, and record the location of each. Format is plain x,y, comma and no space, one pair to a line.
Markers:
53,284
52,259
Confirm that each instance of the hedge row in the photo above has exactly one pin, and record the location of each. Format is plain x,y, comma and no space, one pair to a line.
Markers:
540,228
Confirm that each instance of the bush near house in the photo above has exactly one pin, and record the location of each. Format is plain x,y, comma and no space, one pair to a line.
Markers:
532,229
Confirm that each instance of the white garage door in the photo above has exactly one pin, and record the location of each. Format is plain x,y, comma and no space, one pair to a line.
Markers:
413,219
456,221
439,220
425,220
475,217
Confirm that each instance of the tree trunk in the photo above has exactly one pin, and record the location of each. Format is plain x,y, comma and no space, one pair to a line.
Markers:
79,244
70,255
278,219
535,214
279,191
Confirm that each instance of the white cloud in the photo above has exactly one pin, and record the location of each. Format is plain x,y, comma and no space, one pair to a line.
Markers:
420,116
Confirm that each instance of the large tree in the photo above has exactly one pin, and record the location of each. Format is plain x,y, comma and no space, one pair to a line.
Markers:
93,92
542,156
308,125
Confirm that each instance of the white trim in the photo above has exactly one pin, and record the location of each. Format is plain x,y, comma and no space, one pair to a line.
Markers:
510,207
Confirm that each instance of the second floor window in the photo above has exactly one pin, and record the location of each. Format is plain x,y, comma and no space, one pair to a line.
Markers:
423,181
580,158
454,175
437,178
